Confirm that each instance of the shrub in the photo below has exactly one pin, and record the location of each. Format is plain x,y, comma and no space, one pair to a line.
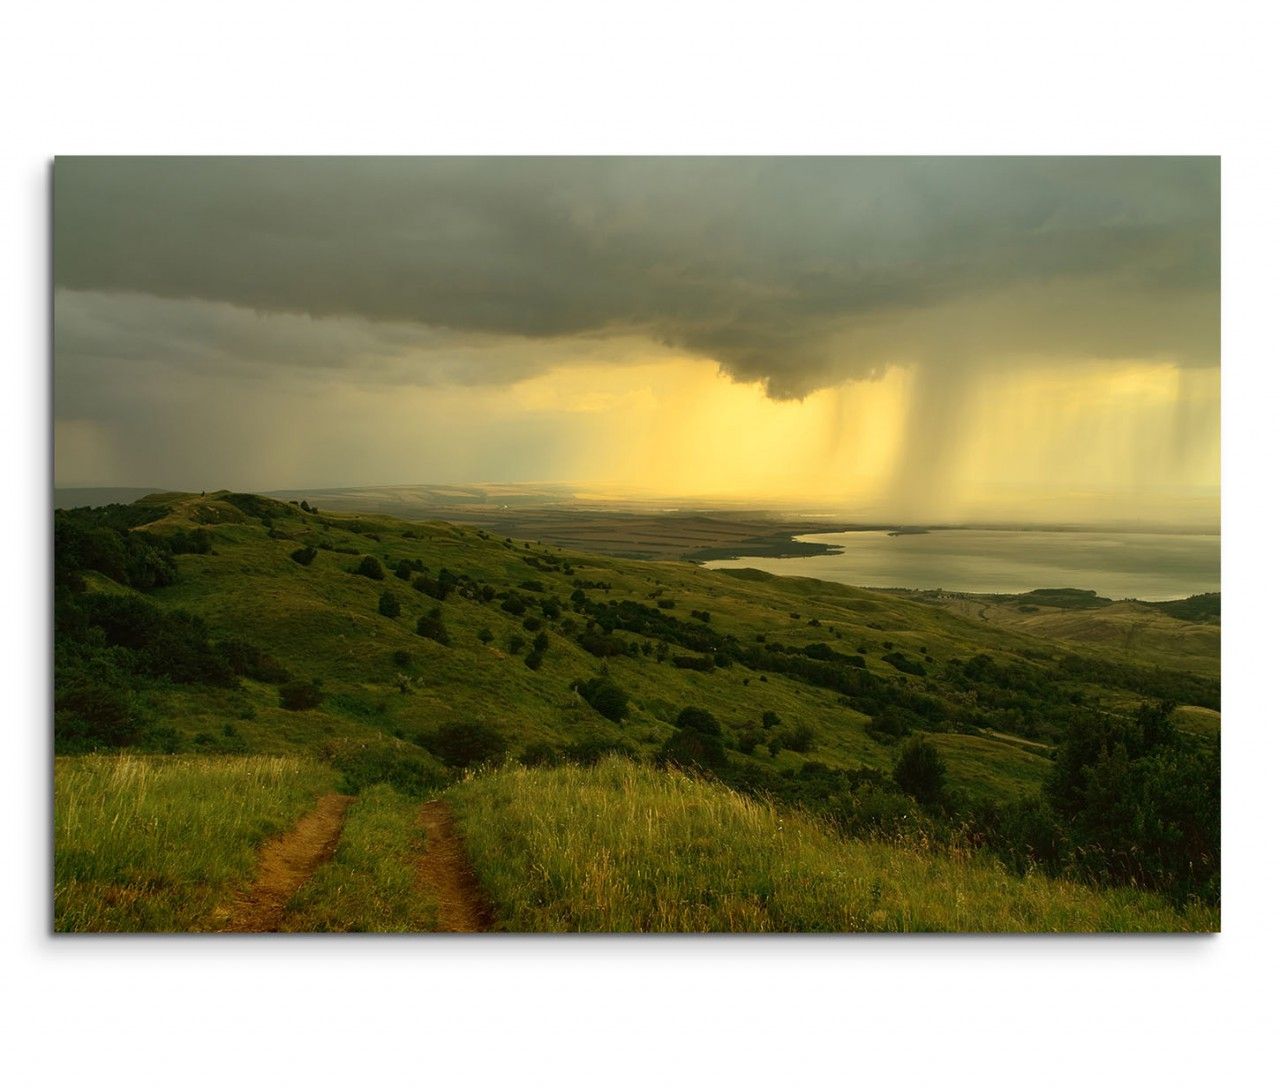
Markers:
485,635
903,663
798,739
515,644
693,748
246,659
540,754
532,623
388,605
402,658
604,697
196,542
465,744
699,720
366,763
589,751
602,645
404,570
534,660
370,568
770,718
920,771
95,713
891,722
698,664
300,695
432,626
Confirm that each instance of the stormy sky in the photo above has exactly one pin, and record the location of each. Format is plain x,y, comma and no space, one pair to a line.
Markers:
912,334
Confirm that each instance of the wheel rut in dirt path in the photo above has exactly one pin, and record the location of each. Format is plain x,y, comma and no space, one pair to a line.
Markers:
285,864
446,874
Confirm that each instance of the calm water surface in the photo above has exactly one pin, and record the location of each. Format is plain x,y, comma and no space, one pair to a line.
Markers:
1148,566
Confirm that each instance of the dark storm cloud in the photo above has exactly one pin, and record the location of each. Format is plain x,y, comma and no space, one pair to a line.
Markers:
797,272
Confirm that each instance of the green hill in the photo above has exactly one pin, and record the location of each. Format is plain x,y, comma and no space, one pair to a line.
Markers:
400,653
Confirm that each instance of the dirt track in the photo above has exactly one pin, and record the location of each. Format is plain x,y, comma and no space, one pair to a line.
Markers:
285,864
446,875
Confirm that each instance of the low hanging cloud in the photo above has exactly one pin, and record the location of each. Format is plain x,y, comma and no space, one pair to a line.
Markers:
798,273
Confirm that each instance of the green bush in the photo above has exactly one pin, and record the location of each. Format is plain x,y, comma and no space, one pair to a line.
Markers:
604,697
920,771
589,751
366,763
300,695
800,738
432,626
304,556
699,720
95,713
465,744
388,605
541,754
691,747
370,568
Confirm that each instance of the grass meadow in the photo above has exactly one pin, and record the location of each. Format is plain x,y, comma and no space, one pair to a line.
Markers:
157,843
626,848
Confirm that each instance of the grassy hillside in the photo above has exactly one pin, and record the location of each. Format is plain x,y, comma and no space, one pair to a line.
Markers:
386,657
322,622
624,848
1184,635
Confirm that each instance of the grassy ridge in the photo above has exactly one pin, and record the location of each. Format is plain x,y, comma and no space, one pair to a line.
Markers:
625,848
322,621
371,885
156,843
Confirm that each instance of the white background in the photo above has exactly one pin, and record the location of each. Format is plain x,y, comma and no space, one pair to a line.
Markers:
113,78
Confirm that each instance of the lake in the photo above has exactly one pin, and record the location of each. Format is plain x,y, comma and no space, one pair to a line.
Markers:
1148,566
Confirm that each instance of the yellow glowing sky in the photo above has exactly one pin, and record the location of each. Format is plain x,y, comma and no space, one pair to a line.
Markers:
679,427
1027,440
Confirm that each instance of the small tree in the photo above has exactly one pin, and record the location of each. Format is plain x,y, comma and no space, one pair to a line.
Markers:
300,695
799,738
604,697
371,568
699,720
692,748
920,771
467,744
432,626
388,605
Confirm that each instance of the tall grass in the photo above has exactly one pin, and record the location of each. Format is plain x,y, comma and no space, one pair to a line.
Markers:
371,885
622,848
155,843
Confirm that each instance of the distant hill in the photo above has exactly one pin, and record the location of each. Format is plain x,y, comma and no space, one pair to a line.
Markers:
66,498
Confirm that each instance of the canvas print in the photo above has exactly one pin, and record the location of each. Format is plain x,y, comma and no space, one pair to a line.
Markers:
635,545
